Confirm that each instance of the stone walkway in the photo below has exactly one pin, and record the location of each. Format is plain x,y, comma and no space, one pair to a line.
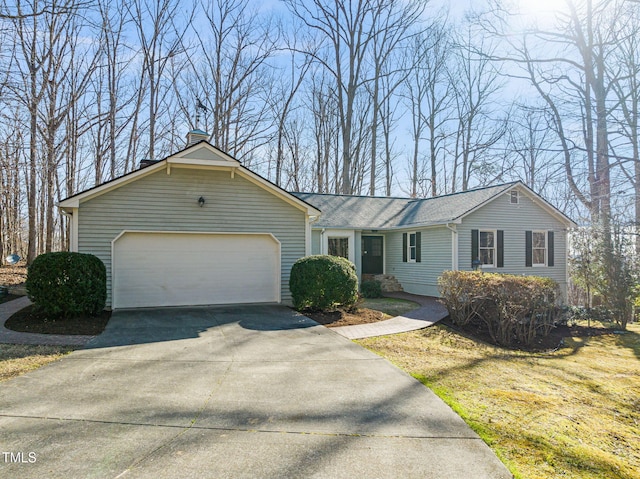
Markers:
430,312
14,337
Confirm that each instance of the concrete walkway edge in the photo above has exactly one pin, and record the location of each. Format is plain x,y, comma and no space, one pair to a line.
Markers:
430,312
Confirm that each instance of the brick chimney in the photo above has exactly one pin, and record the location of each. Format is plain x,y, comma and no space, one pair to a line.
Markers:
195,136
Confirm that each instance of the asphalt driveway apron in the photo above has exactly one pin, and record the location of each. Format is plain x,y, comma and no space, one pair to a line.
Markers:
230,392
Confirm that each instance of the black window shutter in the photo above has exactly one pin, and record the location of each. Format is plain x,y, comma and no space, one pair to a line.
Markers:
550,252
500,249
404,247
418,247
475,246
528,246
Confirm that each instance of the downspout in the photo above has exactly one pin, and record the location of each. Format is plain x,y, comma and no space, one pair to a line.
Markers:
454,247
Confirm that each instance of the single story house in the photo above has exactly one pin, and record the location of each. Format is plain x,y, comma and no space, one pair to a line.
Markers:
506,228
199,228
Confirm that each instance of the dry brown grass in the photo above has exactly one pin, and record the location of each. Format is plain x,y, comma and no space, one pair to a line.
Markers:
17,359
573,413
11,275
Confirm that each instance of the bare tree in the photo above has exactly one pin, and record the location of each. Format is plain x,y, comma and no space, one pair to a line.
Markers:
230,73
325,132
428,94
392,25
113,21
11,185
160,40
530,147
625,83
284,102
570,69
15,12
476,82
345,32
29,89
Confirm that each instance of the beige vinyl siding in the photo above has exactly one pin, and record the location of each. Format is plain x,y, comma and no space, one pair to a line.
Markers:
204,153
420,278
514,220
161,202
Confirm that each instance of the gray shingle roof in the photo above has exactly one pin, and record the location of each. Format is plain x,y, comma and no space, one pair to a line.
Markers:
366,212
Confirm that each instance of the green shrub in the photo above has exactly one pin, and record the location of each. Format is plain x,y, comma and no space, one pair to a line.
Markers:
511,308
371,289
67,284
323,282
601,314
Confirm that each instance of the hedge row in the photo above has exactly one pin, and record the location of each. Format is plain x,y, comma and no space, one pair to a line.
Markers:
512,308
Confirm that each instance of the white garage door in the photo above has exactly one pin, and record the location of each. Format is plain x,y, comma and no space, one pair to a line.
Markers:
180,269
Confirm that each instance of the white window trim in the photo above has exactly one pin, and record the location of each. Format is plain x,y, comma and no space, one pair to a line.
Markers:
329,238
516,196
334,233
546,249
415,246
495,247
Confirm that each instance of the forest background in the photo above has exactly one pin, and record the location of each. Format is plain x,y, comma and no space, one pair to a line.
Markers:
369,97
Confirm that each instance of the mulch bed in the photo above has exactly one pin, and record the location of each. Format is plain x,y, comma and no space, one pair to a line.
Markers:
554,340
30,320
334,319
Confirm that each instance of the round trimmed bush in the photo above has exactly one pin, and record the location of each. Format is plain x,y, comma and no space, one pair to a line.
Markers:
323,282
66,284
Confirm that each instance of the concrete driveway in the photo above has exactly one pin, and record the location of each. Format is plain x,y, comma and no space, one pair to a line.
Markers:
230,392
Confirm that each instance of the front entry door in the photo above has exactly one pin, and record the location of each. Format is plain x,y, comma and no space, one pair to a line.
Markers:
372,255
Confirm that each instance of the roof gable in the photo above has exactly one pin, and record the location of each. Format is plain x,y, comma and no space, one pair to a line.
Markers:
201,155
204,151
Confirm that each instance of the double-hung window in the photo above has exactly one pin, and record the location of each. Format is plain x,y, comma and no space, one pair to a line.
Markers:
487,248
411,247
539,248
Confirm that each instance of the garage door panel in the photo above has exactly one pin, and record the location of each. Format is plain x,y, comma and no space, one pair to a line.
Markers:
178,269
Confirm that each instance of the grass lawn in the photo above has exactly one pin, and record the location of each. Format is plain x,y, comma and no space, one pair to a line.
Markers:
390,306
17,359
571,413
